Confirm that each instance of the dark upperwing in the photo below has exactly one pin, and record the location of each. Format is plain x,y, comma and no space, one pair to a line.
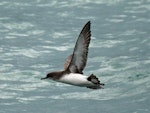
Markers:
77,61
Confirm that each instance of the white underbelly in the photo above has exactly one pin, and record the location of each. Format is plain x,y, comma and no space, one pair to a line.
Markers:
76,79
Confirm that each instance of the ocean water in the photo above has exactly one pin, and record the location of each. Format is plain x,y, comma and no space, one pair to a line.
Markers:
36,37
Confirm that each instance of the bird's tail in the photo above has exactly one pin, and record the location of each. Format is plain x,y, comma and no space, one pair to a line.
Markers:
95,81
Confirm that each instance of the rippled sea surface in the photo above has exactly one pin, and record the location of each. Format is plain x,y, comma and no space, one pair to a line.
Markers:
36,37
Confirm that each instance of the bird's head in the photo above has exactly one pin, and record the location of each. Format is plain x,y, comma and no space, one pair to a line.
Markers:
48,76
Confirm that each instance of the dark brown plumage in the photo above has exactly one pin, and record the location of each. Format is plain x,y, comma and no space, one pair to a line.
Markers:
80,53
76,62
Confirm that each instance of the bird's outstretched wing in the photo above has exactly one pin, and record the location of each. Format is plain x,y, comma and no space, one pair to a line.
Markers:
80,53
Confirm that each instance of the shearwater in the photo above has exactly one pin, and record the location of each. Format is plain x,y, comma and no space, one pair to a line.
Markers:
75,64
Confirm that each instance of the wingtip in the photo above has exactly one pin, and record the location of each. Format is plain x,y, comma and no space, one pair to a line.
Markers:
89,22
86,26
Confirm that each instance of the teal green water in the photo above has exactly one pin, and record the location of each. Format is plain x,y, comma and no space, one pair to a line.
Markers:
37,36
